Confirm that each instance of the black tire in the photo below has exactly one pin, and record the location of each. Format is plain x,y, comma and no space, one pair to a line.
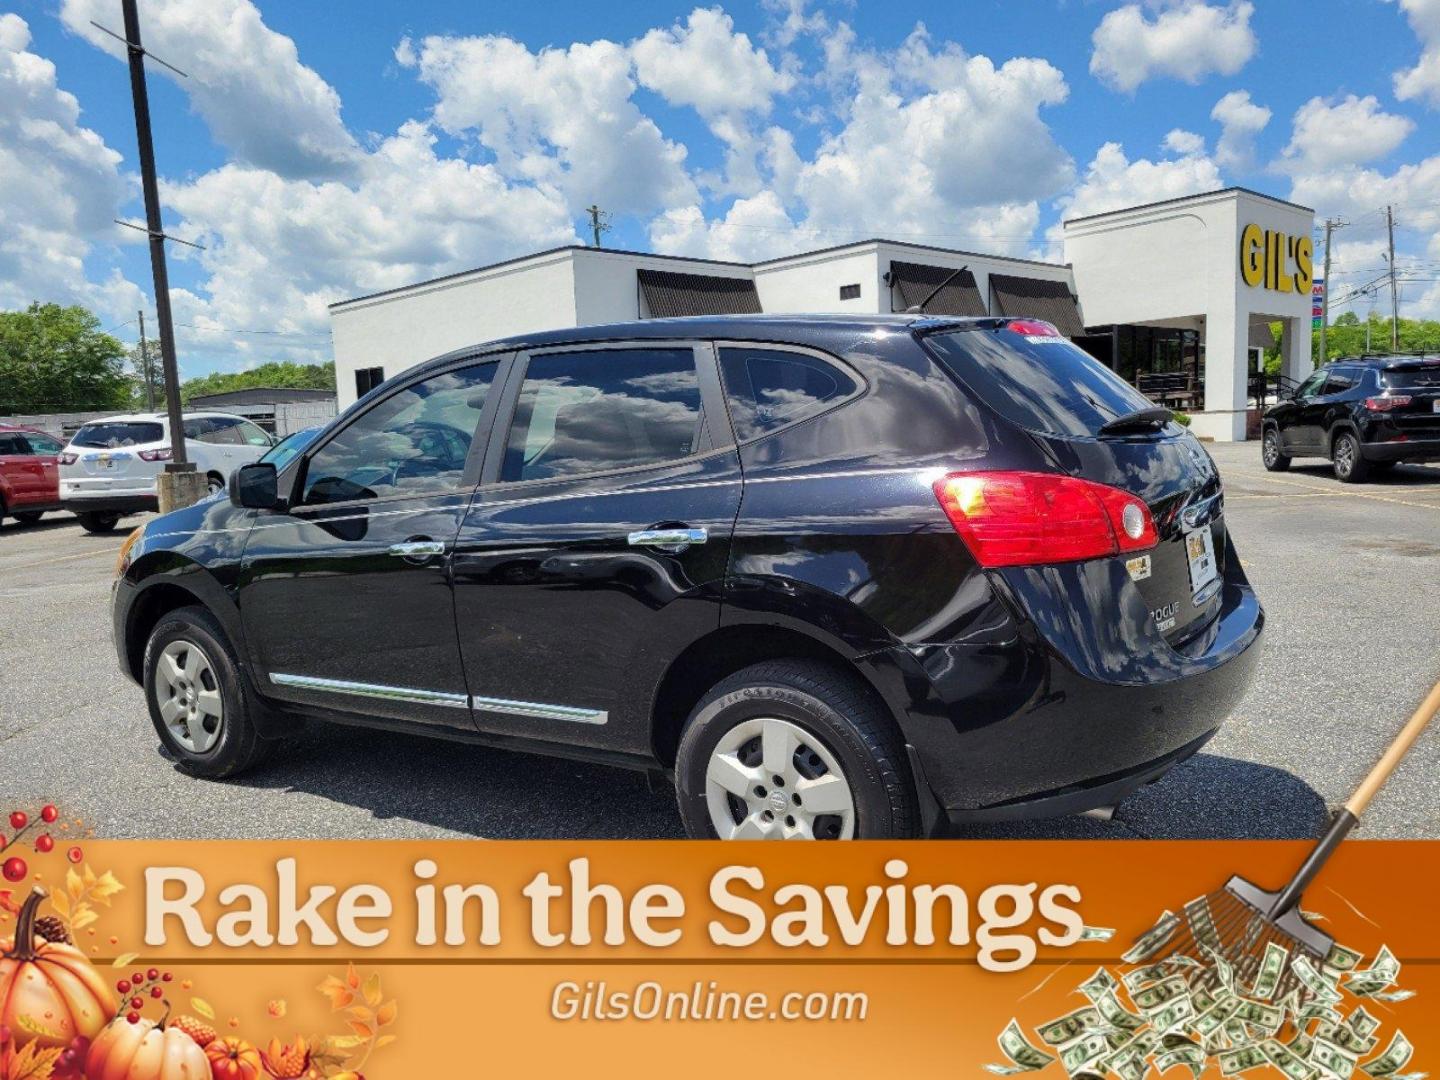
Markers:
214,482
239,745
95,521
831,707
29,517
1271,456
1350,467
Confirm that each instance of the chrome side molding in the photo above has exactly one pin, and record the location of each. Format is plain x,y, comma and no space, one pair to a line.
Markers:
668,538
372,690
539,710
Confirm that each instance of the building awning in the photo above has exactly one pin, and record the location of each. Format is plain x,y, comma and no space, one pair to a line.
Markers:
1037,298
913,282
669,294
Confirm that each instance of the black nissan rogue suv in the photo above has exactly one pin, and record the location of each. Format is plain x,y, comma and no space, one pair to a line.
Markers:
835,576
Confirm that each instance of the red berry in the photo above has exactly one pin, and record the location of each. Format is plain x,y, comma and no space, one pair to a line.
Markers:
44,843
166,977
75,854
19,819
123,986
152,974
133,1017
138,978
137,1002
48,813
15,869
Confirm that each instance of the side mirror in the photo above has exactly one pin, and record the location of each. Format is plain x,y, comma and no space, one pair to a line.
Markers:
255,487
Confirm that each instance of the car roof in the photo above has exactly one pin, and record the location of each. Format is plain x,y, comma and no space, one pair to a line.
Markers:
1388,360
159,417
791,328
23,427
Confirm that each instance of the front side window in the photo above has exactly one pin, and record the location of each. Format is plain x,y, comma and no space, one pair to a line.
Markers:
42,444
582,412
252,434
1311,386
117,433
769,388
413,442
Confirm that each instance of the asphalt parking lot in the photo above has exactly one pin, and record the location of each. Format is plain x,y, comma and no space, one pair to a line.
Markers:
1350,577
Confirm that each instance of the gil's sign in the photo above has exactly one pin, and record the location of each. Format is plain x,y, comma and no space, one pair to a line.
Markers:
1274,260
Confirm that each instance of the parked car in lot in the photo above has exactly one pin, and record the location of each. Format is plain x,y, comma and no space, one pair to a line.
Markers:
835,576
1365,414
110,466
29,477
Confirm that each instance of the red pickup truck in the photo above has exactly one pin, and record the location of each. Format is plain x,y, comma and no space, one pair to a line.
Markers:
29,473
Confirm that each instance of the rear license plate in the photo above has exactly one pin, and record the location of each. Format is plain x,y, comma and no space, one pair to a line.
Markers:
106,462
1200,550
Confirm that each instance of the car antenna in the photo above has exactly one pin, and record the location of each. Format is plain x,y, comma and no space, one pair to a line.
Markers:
919,309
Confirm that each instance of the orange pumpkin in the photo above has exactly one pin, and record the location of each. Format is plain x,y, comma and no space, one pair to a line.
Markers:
50,984
233,1059
145,1051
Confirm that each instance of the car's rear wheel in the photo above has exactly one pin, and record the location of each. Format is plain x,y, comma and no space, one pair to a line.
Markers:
198,700
214,482
29,517
96,522
793,750
1350,467
1273,458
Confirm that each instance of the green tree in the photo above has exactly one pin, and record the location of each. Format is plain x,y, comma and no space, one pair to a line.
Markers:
154,371
56,358
284,374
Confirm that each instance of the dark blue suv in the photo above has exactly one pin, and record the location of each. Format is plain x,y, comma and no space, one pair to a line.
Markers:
833,576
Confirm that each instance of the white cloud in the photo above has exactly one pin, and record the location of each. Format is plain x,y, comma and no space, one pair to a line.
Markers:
247,82
1187,41
752,229
1240,120
560,117
1422,82
1185,143
1113,181
60,188
707,66
1351,132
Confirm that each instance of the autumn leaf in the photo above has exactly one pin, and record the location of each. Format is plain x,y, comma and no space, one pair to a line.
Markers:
352,977
73,885
105,887
339,994
365,1031
83,917
124,959
61,903
33,1063
360,1012
344,1042
372,989
203,1007
35,1027
386,1013
384,1040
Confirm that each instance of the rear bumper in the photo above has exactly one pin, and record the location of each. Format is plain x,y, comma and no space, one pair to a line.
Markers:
1069,717
1409,450
111,504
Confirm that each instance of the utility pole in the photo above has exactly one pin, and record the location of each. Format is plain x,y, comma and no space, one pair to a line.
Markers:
1325,296
1394,289
180,485
597,225
145,372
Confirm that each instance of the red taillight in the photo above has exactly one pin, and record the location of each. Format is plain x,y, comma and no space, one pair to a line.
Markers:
155,455
68,459
1385,404
1025,518
1032,328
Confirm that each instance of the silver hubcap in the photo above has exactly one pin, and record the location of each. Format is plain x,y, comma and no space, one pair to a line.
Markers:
189,696
1344,455
769,779
1272,451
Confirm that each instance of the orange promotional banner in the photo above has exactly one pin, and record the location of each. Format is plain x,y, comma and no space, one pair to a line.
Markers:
405,959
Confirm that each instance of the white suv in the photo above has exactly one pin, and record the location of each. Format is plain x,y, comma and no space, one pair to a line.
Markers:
110,466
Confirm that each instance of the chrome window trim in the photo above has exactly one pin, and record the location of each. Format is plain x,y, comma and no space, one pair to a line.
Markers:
372,690
539,710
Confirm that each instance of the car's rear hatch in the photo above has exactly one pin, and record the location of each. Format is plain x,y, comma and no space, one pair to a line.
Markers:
1412,394
1075,410
108,450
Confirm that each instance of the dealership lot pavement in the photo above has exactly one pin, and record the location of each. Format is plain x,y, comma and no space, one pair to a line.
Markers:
1350,577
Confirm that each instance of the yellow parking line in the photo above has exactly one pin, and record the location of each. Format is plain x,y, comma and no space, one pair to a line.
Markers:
62,558
1351,494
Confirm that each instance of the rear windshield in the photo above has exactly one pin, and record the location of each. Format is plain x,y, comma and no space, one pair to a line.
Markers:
1042,384
1417,378
119,433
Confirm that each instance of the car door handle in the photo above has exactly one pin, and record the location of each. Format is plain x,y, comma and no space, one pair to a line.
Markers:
676,539
418,549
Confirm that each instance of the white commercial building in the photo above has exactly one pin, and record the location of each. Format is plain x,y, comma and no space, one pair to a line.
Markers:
1176,296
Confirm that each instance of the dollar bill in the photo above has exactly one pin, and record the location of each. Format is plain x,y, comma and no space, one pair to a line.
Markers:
1342,959
1173,1015
1313,981
1102,982
1241,1060
1116,1015
1378,976
1151,998
1346,1038
1302,1044
1097,933
1213,1019
1391,996
1272,966
1361,1022
1069,1027
1396,1056
1153,940
1267,1017
1223,971
1335,1060
1141,976
1083,1052
1191,1056
1287,1061
1023,1056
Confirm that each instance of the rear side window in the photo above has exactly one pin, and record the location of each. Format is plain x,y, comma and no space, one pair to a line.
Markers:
13,444
1339,380
110,436
769,388
1425,378
1039,383
581,412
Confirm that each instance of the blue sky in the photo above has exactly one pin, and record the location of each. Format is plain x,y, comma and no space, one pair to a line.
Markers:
320,155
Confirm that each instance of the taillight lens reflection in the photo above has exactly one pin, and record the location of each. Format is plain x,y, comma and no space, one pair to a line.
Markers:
155,455
1026,518
68,459
1385,404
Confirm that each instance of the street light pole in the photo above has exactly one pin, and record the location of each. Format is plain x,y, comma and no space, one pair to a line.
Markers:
184,486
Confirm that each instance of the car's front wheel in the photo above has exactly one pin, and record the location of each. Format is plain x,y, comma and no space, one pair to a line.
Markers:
1274,459
1350,467
198,700
95,522
793,750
